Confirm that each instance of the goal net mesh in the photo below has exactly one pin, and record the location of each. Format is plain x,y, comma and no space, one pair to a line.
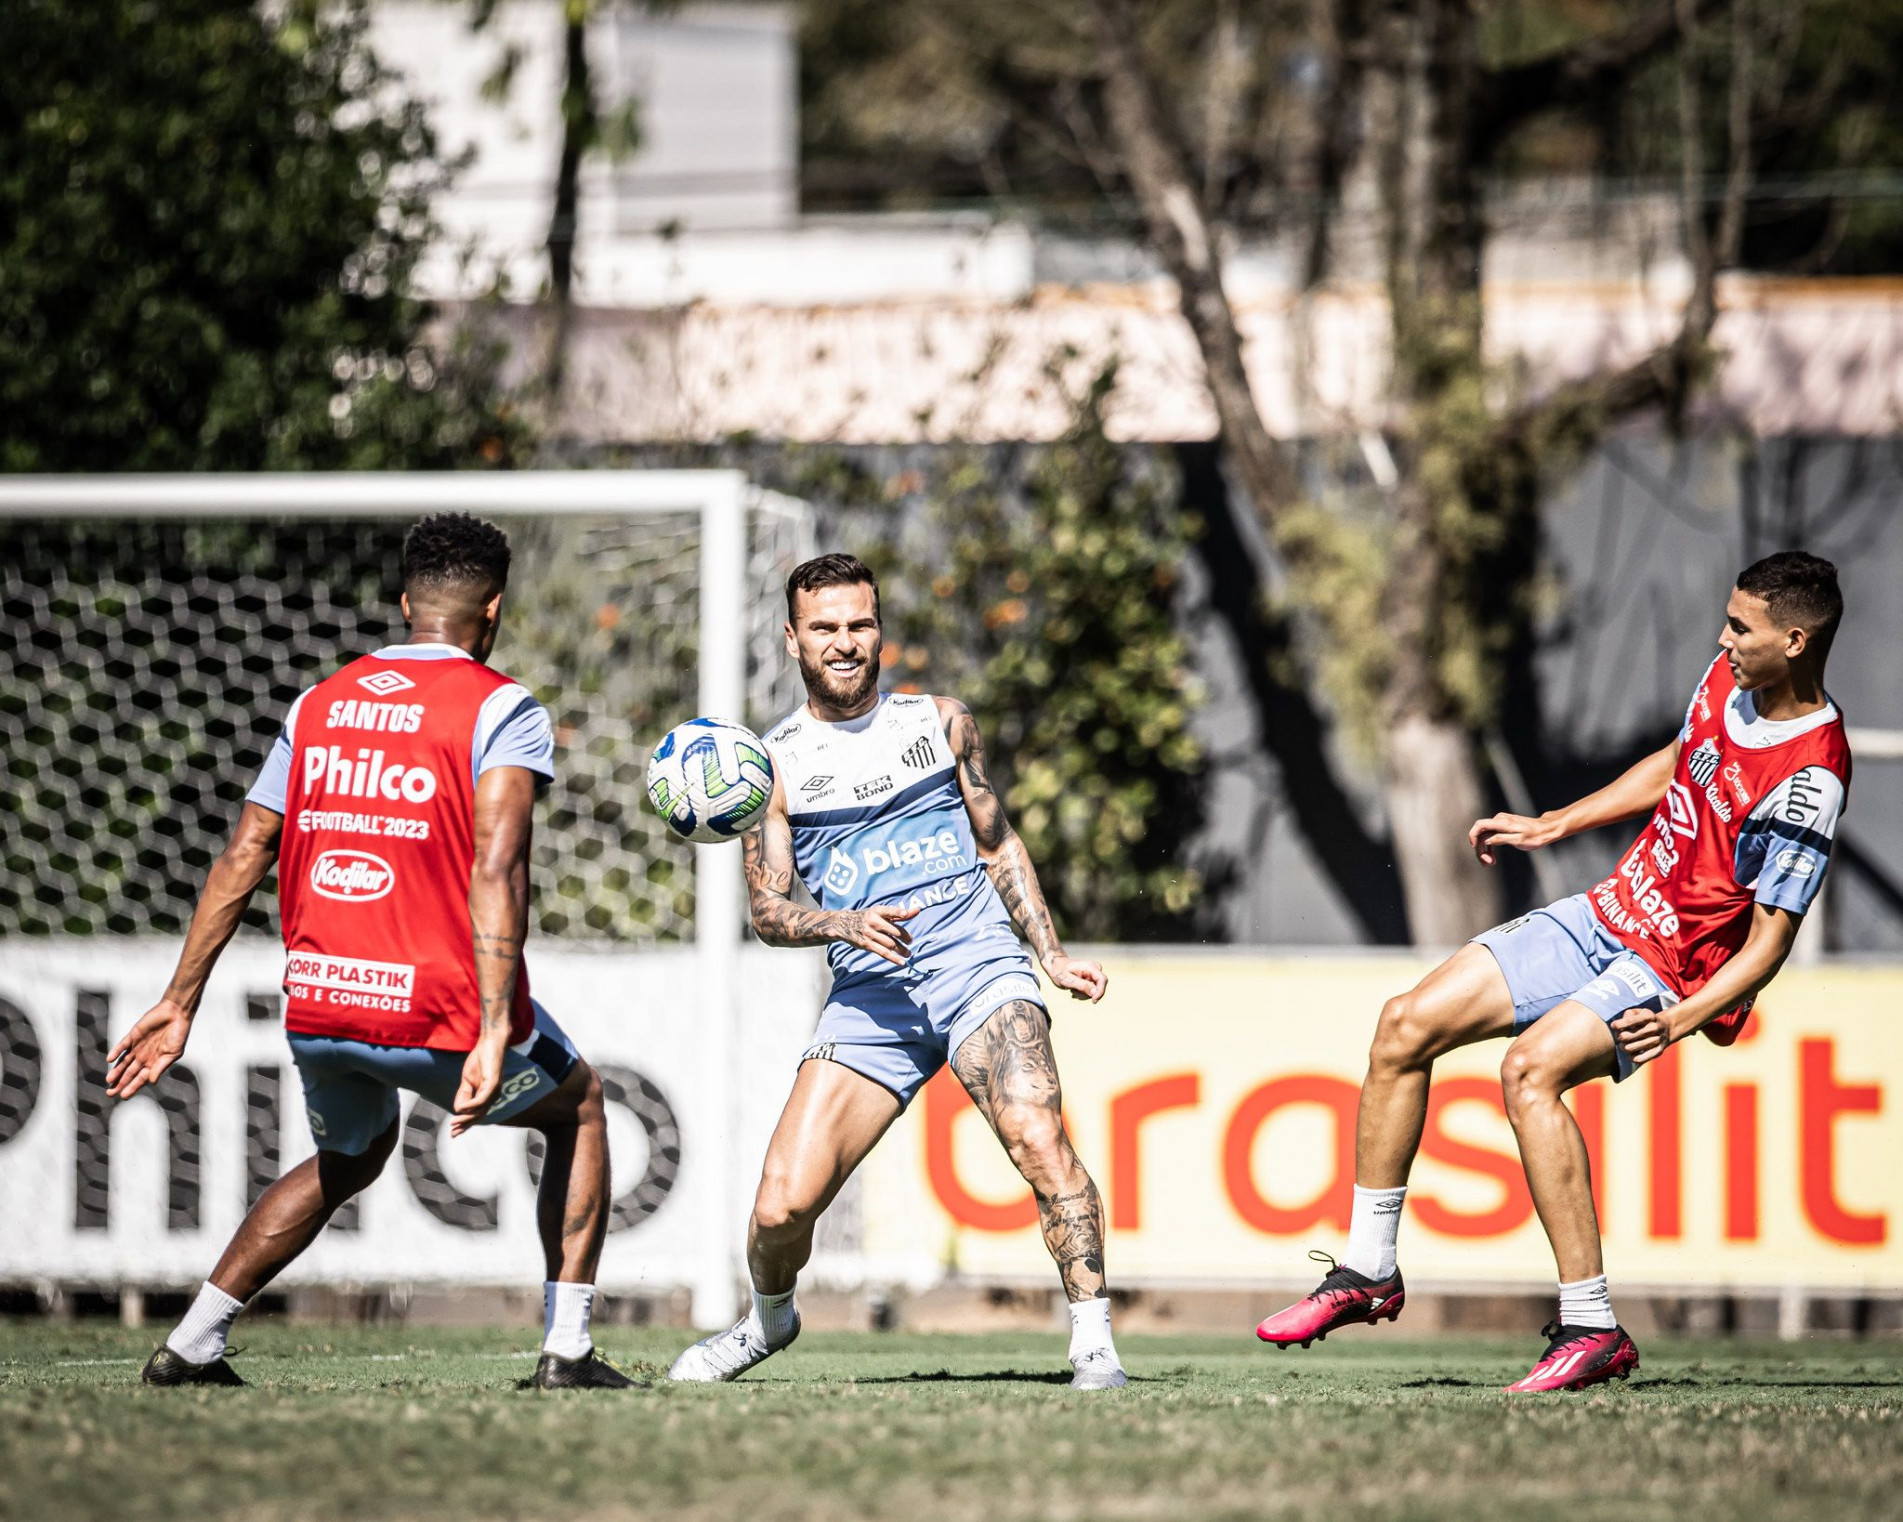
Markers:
146,666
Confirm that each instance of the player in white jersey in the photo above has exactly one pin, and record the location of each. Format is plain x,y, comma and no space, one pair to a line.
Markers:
882,807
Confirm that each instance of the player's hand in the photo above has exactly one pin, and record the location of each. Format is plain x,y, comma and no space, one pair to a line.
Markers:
1642,1034
1515,830
879,930
1085,980
148,1049
482,1076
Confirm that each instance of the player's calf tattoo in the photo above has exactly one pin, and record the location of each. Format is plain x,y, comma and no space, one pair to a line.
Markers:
1073,1231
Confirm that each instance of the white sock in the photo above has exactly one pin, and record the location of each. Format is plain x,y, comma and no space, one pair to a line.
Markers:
1372,1228
1587,1303
201,1336
1090,1328
775,1315
565,1312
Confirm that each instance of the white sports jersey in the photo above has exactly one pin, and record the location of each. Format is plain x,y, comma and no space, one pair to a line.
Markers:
878,818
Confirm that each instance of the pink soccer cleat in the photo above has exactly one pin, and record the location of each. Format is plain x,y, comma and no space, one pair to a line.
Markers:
1578,1356
1344,1298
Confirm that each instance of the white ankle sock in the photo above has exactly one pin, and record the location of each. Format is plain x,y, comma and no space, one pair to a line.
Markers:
1372,1229
1090,1328
566,1309
200,1336
1587,1303
775,1315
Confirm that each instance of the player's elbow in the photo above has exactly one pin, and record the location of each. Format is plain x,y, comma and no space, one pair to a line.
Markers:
764,916
500,877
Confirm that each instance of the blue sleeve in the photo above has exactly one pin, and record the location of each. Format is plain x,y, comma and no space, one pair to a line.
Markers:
1785,845
274,777
524,737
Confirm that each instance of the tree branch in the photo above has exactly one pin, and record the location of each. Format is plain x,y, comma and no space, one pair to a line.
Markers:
1357,862
1577,76
1583,409
1182,234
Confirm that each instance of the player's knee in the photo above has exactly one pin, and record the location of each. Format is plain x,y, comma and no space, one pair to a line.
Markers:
779,1211
1525,1078
342,1175
1404,1035
591,1108
1034,1137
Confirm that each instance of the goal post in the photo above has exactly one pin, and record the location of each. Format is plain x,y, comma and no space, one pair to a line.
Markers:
730,539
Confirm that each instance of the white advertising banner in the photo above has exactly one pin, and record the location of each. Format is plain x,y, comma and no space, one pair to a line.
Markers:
148,1191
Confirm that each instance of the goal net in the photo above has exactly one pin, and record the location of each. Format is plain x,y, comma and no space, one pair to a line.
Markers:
153,633
156,633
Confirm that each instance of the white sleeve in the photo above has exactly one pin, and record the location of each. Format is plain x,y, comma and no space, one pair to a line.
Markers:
512,729
274,777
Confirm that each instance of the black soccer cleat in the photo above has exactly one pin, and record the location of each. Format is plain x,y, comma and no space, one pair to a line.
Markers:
589,1372
167,1368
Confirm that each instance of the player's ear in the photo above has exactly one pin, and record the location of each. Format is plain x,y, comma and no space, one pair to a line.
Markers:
492,609
404,603
792,640
1796,642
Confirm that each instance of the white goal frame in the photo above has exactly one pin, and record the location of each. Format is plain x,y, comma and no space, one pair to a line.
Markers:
722,500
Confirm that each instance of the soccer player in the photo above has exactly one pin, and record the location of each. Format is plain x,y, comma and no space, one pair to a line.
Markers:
407,779
882,806
1682,937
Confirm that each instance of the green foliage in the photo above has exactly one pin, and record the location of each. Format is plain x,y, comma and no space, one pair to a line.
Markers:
210,212
1045,605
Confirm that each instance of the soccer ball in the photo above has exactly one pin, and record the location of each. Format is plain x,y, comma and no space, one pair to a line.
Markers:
710,780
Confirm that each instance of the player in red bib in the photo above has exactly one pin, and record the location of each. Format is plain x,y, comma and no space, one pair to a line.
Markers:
1694,922
397,807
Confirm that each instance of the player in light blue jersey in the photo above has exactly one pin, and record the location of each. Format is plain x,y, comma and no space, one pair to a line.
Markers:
882,807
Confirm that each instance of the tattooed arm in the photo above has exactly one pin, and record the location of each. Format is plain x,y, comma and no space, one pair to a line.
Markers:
1008,862
498,924
779,921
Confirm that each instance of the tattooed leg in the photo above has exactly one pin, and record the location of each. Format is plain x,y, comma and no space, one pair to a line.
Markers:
1009,1070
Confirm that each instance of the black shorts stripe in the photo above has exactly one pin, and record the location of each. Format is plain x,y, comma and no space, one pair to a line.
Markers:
552,1058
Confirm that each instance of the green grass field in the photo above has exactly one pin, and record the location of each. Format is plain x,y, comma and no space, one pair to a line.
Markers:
360,1422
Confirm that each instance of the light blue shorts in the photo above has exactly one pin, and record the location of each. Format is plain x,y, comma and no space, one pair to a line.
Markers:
898,1031
1564,952
350,1087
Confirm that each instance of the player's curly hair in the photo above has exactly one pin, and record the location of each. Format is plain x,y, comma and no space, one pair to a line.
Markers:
1800,590
455,549
830,571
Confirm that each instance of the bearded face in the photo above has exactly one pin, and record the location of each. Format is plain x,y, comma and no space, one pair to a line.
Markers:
834,635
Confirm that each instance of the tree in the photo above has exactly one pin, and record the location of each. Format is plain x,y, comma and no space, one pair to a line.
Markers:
1406,553
209,218
1042,597
1462,469
586,127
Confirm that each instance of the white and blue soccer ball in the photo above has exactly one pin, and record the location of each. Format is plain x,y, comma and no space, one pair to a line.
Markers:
710,780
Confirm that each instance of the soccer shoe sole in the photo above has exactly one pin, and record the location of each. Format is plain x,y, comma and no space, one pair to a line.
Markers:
1618,1367
165,1369
1388,1310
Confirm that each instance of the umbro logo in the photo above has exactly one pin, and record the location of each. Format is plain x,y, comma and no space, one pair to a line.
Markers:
812,787
918,754
383,683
